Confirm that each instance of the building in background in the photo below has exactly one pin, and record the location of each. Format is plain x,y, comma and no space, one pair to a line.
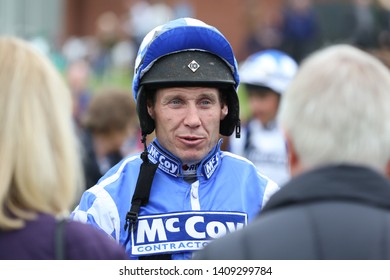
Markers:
250,25
33,19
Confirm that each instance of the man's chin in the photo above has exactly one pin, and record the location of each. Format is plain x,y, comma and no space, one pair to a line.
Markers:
191,157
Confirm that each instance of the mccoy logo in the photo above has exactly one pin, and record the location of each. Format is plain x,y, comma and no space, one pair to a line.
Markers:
211,165
167,164
179,232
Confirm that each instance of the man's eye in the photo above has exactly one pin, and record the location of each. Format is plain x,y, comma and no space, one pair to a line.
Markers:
205,102
175,101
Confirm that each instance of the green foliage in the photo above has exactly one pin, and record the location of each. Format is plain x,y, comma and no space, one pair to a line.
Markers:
113,78
244,108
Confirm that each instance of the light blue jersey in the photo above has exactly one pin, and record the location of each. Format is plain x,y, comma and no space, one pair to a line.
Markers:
180,217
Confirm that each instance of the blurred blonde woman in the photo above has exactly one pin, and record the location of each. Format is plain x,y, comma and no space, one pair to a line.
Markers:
40,166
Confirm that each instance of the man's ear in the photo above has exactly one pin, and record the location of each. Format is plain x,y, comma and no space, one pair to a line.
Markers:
388,169
293,158
150,109
225,111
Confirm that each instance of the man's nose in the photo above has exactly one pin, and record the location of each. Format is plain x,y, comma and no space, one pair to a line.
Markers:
192,118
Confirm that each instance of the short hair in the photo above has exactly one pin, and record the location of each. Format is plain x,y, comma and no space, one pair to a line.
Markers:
336,110
41,171
110,110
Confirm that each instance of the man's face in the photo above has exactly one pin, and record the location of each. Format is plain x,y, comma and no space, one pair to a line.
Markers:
263,104
187,120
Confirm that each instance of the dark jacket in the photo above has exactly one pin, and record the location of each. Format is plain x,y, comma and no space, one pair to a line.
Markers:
92,172
36,241
335,212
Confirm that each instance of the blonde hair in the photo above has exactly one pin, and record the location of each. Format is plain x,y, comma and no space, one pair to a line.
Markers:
40,165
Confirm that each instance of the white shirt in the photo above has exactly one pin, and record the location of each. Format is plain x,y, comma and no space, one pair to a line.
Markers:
265,147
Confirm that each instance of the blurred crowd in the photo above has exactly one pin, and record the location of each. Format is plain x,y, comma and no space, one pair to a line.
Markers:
303,26
103,62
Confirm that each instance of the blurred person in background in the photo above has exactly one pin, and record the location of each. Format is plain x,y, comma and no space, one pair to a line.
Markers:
111,132
78,76
144,15
300,28
370,24
182,190
40,165
265,75
107,35
336,206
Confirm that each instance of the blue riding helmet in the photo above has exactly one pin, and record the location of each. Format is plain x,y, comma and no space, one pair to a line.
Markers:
271,69
186,52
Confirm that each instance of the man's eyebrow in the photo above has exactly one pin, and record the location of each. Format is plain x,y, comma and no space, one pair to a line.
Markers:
210,95
170,96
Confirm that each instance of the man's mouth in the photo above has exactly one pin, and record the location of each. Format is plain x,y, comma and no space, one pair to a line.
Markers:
190,139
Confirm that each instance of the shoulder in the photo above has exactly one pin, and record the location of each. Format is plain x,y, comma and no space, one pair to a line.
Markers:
126,165
233,158
267,237
101,204
245,166
86,242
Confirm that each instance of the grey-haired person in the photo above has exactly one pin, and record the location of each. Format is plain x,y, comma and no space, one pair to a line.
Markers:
337,204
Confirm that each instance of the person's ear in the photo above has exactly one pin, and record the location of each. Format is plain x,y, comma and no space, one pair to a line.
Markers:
225,111
388,169
150,109
293,158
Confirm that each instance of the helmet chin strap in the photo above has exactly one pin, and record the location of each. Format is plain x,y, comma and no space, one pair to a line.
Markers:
142,190
238,129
